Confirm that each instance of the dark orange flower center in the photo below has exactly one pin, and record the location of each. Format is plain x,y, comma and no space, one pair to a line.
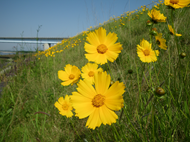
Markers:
65,106
174,1
91,73
71,76
101,49
98,100
146,52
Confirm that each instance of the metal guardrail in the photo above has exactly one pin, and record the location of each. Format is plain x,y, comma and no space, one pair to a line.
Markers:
34,40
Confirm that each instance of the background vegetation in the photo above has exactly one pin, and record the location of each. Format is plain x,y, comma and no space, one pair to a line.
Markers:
27,111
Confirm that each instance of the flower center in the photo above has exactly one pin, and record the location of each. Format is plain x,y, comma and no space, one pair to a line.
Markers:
101,49
98,100
91,74
65,106
146,52
174,1
71,76
158,42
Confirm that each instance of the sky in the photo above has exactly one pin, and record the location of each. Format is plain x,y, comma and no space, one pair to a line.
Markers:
56,18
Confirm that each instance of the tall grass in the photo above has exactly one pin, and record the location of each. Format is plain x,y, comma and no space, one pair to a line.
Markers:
27,104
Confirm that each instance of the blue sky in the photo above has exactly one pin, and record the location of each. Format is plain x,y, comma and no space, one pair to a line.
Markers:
59,18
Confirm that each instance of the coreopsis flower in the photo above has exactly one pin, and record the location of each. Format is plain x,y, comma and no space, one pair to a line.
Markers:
102,47
156,6
161,42
71,75
172,31
64,106
145,53
89,70
177,3
98,103
156,16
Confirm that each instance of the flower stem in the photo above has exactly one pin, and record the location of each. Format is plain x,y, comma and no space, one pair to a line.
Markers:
150,35
175,38
74,128
174,30
153,122
116,131
101,135
110,71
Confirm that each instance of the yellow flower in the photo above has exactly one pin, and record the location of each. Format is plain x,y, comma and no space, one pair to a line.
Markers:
64,106
102,47
177,3
145,53
172,31
89,70
160,41
99,103
156,6
71,75
157,16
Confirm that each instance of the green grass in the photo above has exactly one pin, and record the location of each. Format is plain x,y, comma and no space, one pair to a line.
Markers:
27,111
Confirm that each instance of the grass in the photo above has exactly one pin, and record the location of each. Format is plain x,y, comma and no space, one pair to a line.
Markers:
27,104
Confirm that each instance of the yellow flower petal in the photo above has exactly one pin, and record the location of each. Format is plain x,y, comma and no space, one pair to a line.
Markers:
100,44
64,106
96,105
145,53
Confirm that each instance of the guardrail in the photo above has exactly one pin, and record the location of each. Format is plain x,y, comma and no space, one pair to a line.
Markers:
46,41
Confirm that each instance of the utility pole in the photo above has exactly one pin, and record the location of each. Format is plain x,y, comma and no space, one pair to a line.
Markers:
37,37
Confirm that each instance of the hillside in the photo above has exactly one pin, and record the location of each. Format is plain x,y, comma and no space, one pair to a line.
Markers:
148,113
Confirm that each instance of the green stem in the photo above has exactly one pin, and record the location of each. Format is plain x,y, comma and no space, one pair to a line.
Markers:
174,30
150,34
124,136
120,115
151,84
169,68
110,71
153,123
116,131
131,125
101,134
75,129
175,38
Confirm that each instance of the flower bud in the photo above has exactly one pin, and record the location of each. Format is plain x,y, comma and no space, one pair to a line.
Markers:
130,71
111,83
149,23
154,32
159,91
183,55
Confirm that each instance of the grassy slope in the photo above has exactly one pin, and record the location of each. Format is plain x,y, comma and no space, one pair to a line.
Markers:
37,87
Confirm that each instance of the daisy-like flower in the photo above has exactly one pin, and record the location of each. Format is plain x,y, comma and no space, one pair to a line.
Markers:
64,106
100,102
172,31
89,70
161,42
71,75
102,47
177,3
156,6
156,16
145,53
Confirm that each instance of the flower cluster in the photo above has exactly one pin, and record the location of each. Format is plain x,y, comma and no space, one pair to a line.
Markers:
95,97
144,50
